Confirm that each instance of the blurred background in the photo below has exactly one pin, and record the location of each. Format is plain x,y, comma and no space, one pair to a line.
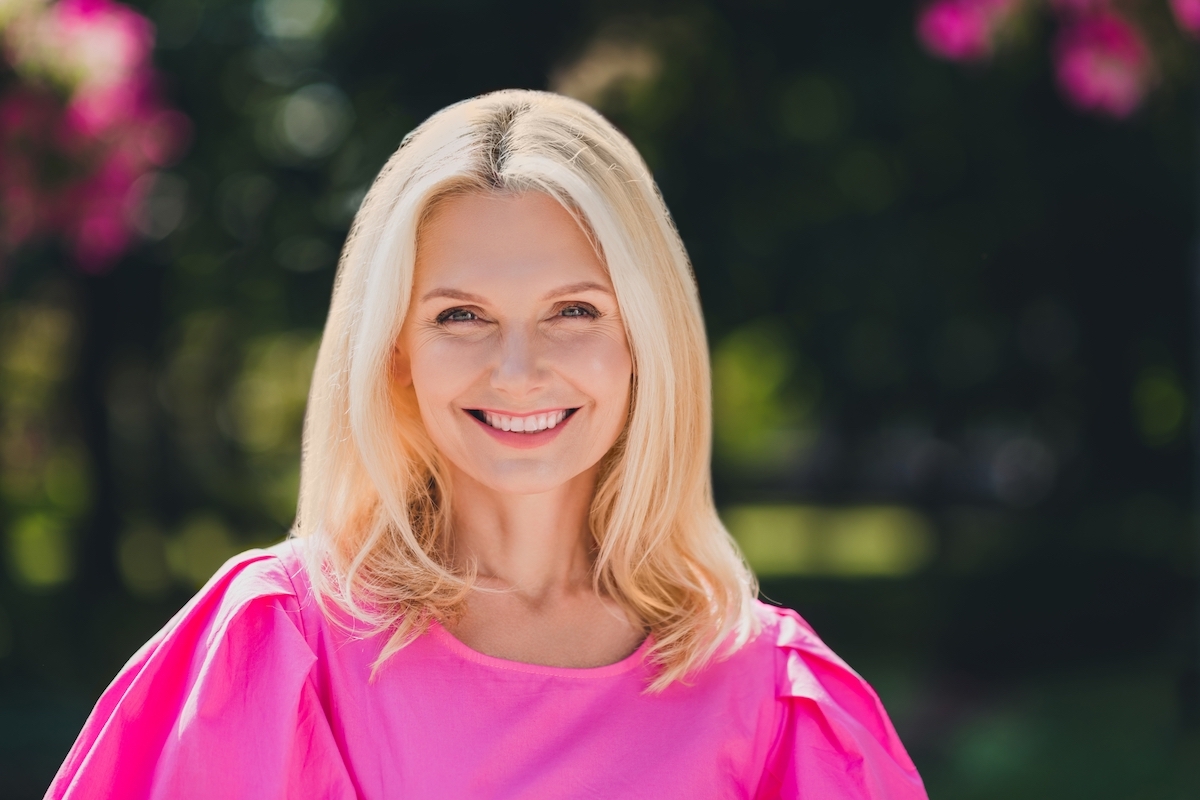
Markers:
947,254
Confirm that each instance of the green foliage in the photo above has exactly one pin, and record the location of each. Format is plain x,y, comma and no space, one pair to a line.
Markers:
764,398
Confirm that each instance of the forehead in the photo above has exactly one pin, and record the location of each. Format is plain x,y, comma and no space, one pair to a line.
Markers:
481,238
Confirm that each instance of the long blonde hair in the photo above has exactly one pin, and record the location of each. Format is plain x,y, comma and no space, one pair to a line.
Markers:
374,499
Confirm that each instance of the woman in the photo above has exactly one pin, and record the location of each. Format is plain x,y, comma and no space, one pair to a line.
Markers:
507,578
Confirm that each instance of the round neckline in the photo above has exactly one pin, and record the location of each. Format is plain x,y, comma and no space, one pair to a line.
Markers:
452,642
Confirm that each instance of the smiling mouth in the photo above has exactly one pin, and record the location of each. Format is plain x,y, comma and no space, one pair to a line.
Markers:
533,423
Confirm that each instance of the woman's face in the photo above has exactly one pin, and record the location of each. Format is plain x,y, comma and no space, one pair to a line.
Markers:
514,343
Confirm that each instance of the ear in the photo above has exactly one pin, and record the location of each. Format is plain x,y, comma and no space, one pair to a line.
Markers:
401,366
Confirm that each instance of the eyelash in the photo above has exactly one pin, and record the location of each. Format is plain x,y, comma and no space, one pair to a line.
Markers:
588,310
445,316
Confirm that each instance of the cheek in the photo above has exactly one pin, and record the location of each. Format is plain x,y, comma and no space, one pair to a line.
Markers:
603,368
441,369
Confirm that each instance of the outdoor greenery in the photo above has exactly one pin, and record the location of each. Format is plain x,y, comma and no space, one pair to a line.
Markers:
951,316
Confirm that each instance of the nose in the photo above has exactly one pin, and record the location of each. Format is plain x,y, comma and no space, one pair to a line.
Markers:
518,370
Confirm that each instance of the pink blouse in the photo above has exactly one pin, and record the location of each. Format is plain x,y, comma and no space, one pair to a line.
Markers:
250,692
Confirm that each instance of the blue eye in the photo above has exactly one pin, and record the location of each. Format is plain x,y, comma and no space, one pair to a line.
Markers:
578,310
457,315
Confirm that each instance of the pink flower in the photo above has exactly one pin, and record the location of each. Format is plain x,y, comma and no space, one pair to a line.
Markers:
963,30
102,237
1187,15
71,167
95,109
1103,65
163,136
81,43
94,219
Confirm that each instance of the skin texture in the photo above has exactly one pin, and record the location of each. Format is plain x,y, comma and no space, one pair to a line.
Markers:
513,312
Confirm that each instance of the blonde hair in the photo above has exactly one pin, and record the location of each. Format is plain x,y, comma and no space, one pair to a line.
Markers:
374,499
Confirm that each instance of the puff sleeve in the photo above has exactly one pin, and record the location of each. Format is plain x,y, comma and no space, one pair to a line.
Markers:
222,703
834,740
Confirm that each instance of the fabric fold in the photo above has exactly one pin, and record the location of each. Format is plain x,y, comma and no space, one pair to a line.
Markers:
835,739
221,703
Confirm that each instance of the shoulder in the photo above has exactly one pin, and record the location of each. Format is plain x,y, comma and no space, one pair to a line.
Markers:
781,641
267,576
782,629
246,622
833,733
809,674
273,572
784,660
270,572
801,657
228,680
252,592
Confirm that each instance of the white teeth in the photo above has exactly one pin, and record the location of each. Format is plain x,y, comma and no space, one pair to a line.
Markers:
530,424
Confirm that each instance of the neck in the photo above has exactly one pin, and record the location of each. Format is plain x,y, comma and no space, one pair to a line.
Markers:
537,545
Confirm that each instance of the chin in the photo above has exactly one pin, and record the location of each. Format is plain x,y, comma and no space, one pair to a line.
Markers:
524,478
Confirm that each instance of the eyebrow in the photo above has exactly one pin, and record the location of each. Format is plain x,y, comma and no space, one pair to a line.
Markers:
455,294
573,288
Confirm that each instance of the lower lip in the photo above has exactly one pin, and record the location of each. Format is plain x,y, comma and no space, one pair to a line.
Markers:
523,441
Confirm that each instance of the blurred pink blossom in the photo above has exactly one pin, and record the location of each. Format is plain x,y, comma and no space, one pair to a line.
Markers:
95,222
70,166
163,135
1102,64
963,30
93,110
1187,15
83,45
